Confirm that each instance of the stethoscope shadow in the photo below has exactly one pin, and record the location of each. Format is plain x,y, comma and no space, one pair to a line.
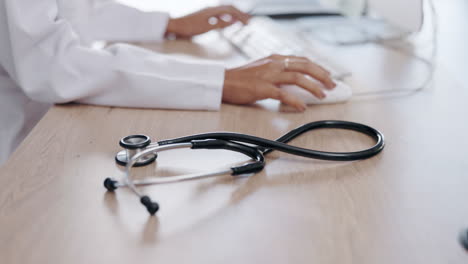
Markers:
110,201
249,185
149,233
254,182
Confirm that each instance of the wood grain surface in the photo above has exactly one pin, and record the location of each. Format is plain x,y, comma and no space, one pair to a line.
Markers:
406,205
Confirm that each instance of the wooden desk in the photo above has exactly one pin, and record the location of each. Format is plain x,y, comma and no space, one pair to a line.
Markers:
406,205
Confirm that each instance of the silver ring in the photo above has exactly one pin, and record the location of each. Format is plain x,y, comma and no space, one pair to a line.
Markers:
286,64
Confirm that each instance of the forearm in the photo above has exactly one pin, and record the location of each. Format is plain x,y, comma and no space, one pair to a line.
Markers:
156,81
51,65
117,22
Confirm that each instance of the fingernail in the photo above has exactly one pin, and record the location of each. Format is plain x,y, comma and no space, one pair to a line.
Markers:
331,85
303,107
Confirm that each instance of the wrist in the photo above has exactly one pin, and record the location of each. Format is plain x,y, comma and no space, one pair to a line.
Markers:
229,86
172,26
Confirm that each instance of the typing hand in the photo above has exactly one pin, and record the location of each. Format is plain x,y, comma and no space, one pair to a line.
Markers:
206,20
262,79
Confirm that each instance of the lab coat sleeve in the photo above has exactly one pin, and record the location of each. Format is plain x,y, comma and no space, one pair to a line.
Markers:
52,66
112,21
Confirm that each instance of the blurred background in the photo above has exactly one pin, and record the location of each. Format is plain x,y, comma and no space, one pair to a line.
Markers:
452,19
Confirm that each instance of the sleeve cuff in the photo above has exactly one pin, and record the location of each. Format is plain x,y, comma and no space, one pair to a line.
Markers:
152,27
214,90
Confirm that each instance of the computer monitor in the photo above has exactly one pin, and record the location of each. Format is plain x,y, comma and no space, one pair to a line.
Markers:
406,15
379,20
285,8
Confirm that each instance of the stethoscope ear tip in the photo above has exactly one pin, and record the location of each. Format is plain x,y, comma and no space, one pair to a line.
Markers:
110,184
464,239
151,206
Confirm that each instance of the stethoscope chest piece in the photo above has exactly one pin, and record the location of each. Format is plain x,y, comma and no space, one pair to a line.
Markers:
133,145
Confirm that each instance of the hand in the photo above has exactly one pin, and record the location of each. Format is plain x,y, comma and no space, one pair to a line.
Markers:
261,80
206,20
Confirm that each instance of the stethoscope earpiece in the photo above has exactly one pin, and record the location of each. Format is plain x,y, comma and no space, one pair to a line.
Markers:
151,206
110,184
464,239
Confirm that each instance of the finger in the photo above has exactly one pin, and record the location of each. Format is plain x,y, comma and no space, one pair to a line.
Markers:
313,70
221,23
267,90
236,13
306,66
300,80
242,16
291,100
307,59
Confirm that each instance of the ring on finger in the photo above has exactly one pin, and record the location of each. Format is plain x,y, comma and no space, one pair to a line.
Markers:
286,64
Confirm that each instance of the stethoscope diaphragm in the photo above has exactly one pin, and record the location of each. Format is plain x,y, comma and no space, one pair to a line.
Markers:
132,145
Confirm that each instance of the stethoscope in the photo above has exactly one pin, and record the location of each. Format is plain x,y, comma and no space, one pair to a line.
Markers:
140,151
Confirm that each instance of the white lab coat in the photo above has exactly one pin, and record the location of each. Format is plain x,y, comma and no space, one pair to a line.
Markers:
45,59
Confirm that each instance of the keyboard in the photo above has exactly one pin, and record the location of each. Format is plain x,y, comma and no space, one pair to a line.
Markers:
263,36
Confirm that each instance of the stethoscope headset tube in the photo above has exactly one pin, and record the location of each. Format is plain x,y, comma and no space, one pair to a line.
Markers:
280,144
142,150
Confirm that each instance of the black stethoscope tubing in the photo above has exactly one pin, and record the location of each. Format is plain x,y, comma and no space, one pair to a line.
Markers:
280,144
237,142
